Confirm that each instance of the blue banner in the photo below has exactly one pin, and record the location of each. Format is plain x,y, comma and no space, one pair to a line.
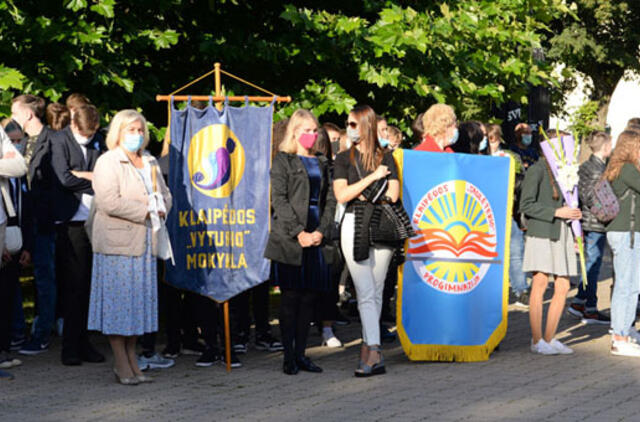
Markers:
452,298
219,179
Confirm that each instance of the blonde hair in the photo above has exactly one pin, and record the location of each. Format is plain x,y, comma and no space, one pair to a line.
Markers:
290,143
437,119
120,121
494,131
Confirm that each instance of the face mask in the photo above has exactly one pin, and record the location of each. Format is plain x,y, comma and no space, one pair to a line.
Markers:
483,144
384,142
82,140
354,135
132,142
307,140
454,138
526,140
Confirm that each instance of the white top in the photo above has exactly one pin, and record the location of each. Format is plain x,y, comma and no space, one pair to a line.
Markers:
4,138
145,173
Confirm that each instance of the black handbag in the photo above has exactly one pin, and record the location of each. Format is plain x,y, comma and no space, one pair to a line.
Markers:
389,224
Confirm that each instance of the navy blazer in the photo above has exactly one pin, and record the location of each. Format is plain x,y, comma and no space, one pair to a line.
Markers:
41,178
66,155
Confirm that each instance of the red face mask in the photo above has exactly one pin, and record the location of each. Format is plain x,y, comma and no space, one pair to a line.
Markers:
307,140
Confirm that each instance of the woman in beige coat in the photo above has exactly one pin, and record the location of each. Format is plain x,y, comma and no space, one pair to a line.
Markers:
130,204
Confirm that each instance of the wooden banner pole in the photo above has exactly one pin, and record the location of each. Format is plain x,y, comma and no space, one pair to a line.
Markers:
238,98
227,335
225,306
216,69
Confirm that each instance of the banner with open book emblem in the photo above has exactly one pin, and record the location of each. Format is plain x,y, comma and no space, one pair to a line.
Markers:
453,287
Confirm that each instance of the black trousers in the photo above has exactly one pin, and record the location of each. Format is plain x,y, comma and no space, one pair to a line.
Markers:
9,282
327,303
258,296
390,283
206,312
74,258
296,313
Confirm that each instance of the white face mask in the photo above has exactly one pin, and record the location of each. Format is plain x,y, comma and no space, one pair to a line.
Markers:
353,135
82,140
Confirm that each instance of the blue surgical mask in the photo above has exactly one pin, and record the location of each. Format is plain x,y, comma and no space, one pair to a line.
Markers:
526,140
454,138
384,142
483,144
354,135
132,142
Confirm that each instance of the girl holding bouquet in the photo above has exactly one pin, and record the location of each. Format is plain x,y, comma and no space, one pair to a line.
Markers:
549,250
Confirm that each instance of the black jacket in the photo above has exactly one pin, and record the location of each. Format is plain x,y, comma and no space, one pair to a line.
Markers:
66,155
290,193
590,173
41,182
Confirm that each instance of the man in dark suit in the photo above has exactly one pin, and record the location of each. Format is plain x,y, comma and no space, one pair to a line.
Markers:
72,160
27,111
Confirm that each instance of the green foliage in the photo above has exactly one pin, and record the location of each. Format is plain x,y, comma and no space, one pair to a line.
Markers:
601,43
398,56
99,47
584,119
469,54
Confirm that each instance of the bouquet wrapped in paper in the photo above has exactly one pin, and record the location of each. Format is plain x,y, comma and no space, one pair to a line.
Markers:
562,154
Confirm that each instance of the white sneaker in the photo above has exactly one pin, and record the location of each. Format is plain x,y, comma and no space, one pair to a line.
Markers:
560,348
332,342
625,348
154,362
543,348
7,361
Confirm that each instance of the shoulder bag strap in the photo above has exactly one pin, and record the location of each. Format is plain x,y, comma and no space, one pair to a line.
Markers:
8,202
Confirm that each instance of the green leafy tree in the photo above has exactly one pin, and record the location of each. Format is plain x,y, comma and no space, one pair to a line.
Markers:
398,56
101,48
601,42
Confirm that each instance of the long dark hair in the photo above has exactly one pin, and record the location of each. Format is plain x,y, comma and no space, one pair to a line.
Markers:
368,126
470,137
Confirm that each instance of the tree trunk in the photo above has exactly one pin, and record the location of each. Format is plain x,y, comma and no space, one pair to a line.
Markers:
603,109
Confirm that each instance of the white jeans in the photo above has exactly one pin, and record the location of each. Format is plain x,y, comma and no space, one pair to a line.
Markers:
368,277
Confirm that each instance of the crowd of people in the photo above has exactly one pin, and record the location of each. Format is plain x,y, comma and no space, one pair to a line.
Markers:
83,206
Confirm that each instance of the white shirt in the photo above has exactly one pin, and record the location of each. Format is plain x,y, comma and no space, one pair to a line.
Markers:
85,203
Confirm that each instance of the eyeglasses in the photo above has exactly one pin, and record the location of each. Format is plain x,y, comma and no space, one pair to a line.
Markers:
352,125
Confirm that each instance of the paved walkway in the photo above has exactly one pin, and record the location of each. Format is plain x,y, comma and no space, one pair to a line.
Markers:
513,385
